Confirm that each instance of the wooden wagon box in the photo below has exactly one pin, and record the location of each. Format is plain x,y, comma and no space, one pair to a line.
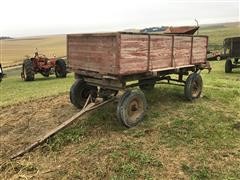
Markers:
123,53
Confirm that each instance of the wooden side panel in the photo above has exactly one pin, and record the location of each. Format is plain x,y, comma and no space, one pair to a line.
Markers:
199,49
182,50
160,51
93,53
133,53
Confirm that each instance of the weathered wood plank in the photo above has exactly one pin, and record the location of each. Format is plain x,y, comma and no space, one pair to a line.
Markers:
182,50
133,53
160,51
93,53
199,49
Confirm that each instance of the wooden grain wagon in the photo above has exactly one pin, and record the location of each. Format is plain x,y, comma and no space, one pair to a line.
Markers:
105,63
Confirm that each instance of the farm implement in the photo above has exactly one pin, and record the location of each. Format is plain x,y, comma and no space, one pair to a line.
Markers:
106,64
43,65
232,52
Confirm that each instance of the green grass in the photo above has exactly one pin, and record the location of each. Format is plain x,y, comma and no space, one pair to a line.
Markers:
198,137
14,89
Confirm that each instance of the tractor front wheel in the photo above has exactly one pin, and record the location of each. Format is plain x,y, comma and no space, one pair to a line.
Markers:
80,91
28,70
60,69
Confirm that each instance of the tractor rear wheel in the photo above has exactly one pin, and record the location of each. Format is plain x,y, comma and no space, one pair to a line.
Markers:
28,70
193,86
60,69
80,91
131,108
228,66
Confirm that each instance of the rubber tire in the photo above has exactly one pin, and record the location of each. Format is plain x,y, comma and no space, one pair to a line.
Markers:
120,102
122,108
194,77
63,69
76,96
228,66
147,84
28,67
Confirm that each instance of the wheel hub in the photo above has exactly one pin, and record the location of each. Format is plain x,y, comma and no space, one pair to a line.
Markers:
135,109
195,89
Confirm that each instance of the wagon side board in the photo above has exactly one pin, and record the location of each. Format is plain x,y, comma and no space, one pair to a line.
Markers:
133,54
122,54
93,53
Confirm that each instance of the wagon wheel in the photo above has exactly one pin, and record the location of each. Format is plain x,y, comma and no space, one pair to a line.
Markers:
228,66
27,70
60,68
193,86
131,108
80,91
146,84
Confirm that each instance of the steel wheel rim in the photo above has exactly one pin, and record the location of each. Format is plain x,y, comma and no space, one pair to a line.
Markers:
135,110
195,89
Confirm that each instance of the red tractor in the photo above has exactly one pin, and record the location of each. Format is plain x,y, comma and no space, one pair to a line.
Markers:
41,64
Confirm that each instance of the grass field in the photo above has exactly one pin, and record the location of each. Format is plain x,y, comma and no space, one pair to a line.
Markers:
177,139
14,89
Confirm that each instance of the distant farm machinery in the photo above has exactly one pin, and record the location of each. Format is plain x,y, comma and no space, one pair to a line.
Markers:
43,65
232,51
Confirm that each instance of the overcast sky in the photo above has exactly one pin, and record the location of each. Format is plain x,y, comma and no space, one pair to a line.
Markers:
39,17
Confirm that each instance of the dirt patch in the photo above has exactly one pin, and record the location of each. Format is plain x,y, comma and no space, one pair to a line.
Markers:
23,123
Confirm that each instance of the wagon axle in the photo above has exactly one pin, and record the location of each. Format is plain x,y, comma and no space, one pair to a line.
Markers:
132,103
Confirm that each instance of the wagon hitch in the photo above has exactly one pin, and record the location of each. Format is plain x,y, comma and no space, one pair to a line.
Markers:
206,66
